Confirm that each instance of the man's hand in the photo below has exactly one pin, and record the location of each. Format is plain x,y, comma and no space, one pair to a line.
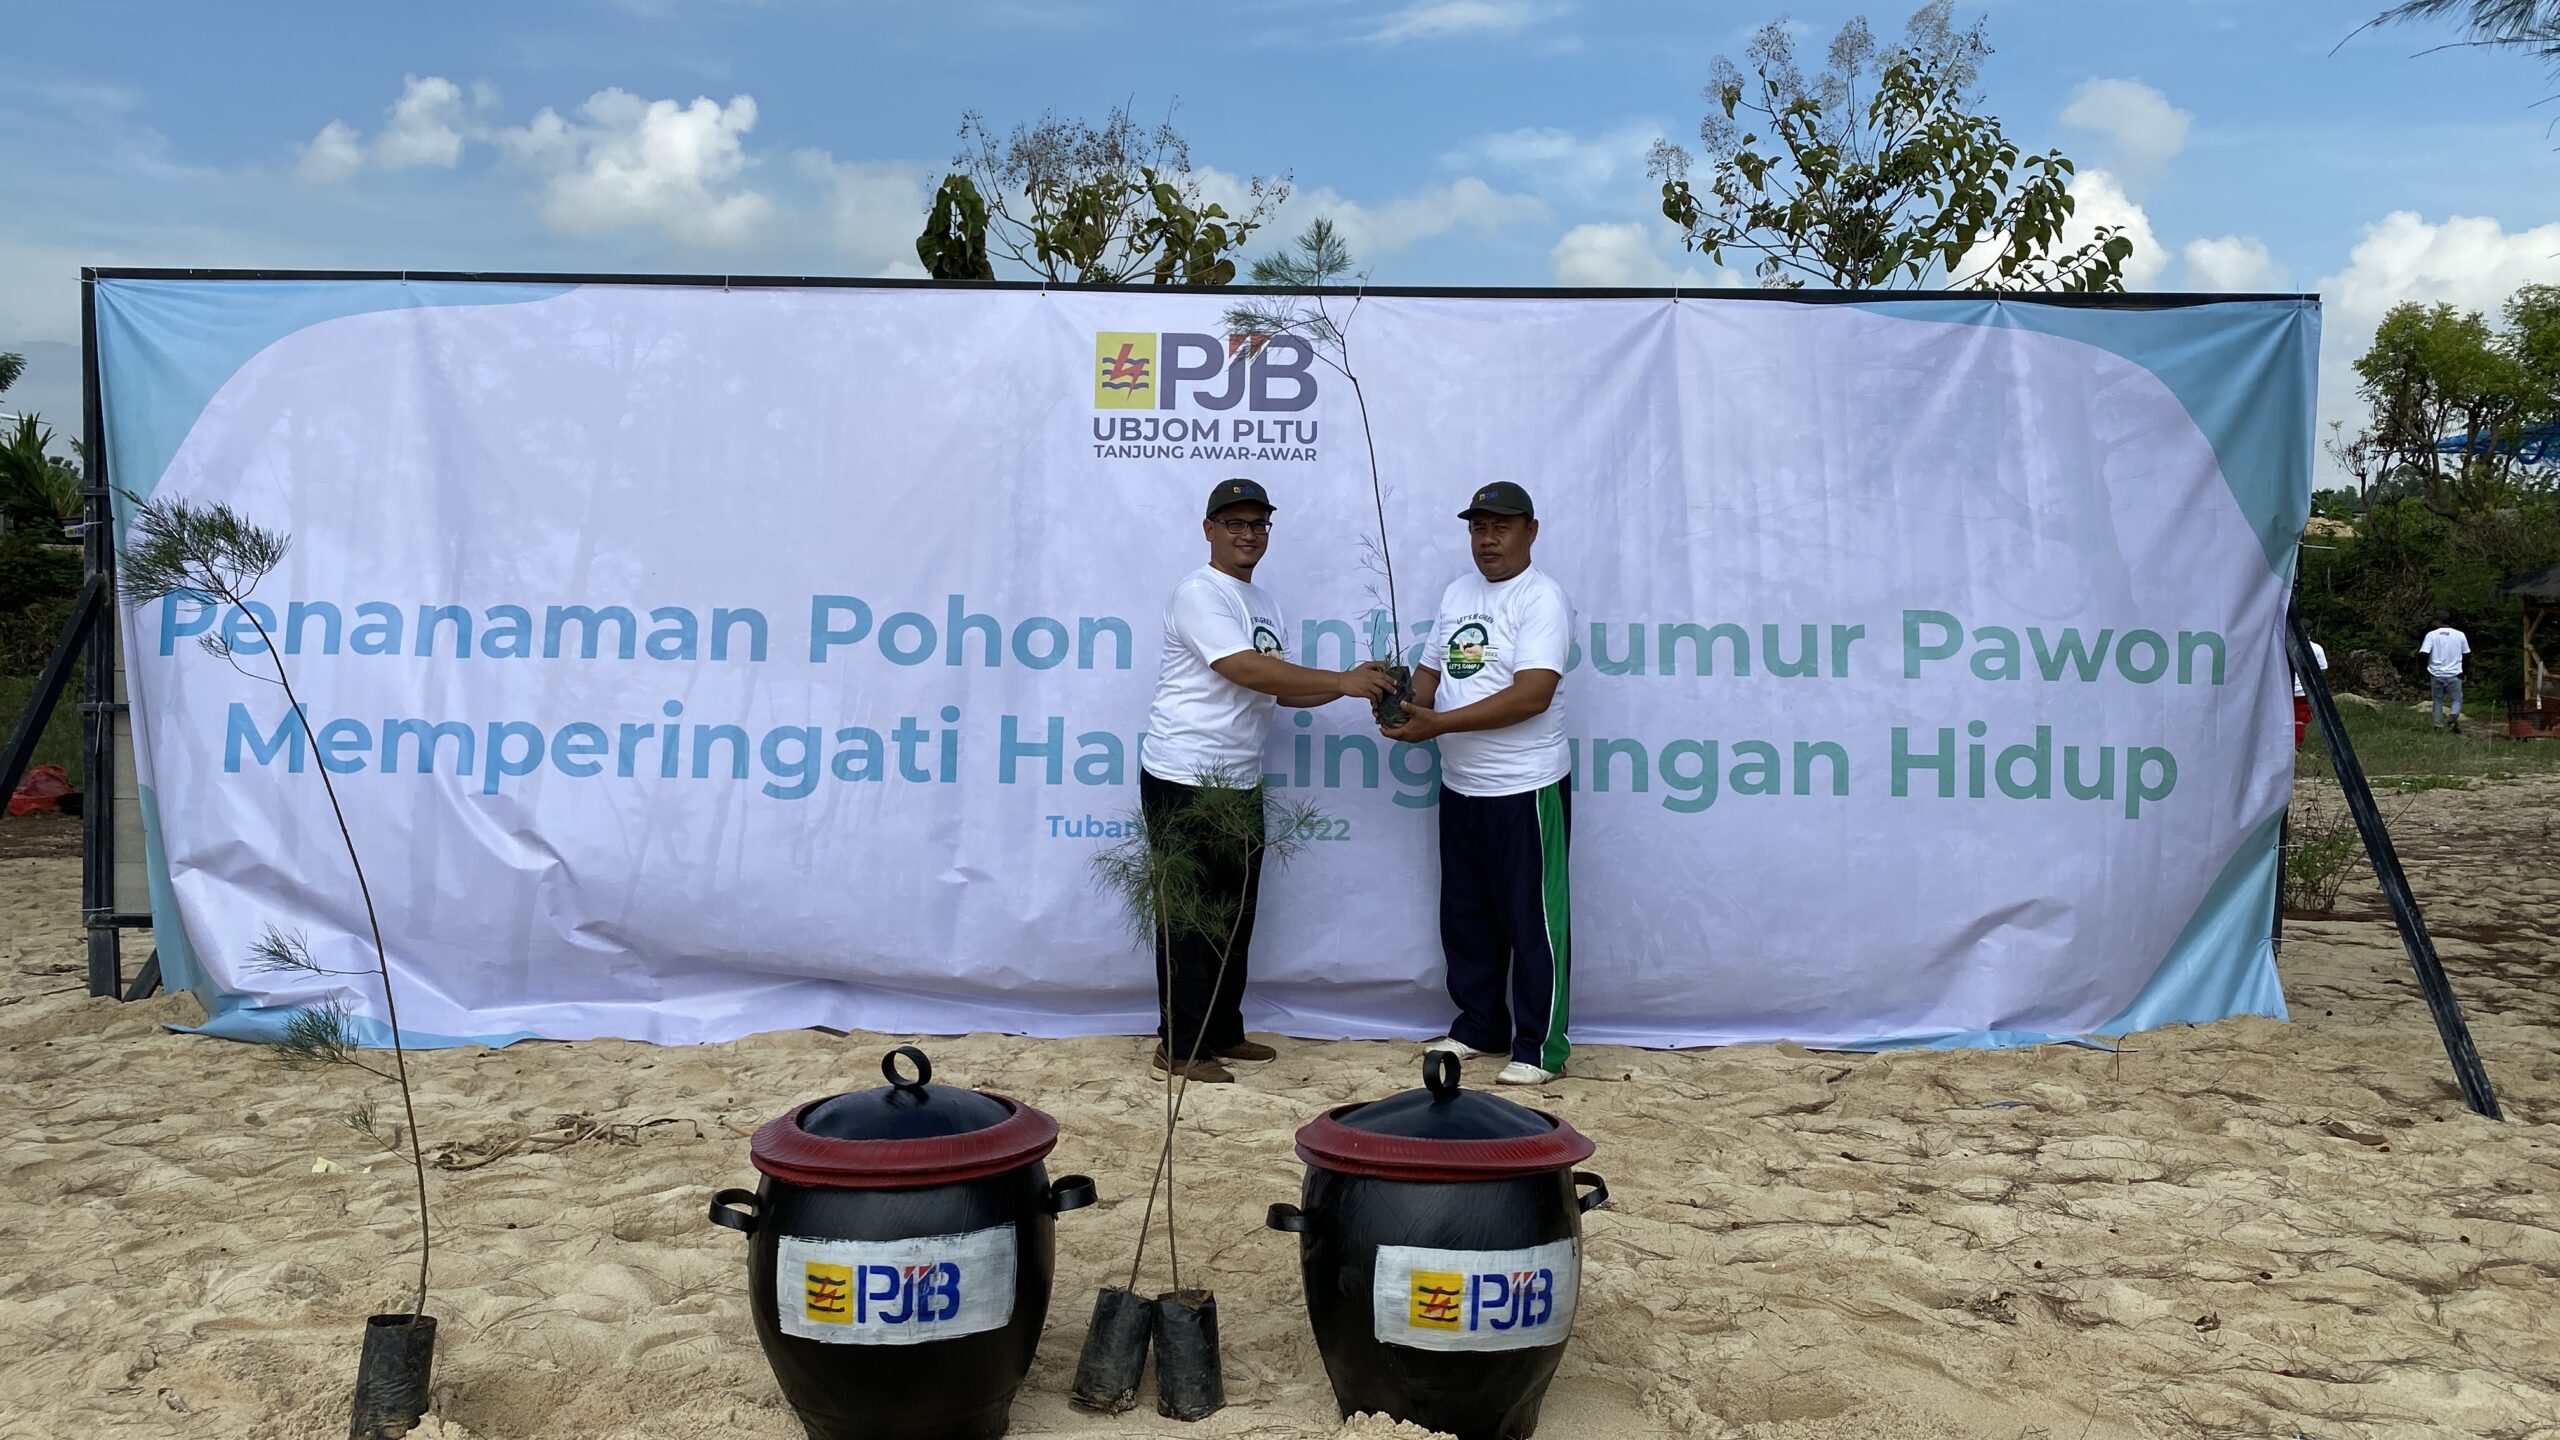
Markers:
1368,681
1420,723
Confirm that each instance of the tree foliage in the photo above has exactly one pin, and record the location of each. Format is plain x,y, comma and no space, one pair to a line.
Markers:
12,365
1878,171
1317,259
213,554
2461,413
954,243
1075,202
37,490
2532,26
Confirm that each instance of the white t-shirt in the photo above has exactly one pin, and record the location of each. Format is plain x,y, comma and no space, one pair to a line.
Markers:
1204,725
1485,636
2444,648
2319,657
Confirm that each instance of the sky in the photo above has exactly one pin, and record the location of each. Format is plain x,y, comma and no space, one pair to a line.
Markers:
1457,142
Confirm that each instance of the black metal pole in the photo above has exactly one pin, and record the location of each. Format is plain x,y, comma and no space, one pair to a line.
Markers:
97,713
2467,1070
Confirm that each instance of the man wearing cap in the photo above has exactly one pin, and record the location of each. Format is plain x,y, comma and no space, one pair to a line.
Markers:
1224,667
1487,693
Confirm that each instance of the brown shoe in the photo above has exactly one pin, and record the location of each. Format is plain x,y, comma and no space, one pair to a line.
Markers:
1201,1072
1248,1050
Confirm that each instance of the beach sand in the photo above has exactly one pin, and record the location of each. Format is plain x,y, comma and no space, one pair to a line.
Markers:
2247,1228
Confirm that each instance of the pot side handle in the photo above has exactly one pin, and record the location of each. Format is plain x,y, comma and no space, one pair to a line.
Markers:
1071,1192
1289,1218
725,1211
1599,1195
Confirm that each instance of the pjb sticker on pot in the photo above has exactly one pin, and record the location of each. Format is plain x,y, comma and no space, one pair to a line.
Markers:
894,1292
1475,1299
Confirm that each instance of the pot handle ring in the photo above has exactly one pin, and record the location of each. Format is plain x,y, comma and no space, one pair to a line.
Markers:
1289,1218
725,1211
1071,1192
1599,1195
924,1068
1440,1073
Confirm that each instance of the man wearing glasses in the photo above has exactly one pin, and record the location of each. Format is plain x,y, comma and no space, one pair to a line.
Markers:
1224,667
1489,698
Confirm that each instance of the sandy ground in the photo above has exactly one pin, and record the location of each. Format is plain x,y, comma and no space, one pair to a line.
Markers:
2239,1229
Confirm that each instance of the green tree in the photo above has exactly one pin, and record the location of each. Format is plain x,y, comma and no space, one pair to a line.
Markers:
1878,171
954,243
36,489
2436,374
1074,202
12,365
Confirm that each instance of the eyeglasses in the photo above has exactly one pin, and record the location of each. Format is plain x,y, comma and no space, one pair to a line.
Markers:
1247,527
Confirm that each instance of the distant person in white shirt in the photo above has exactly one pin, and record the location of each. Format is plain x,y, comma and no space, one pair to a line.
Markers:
2444,648
2301,700
1224,667
1488,695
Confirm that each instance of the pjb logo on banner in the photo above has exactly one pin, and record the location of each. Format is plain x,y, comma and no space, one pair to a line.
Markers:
1140,370
895,1292
1475,1299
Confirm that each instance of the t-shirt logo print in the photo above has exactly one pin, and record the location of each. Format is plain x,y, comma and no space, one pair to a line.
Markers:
1265,642
1468,648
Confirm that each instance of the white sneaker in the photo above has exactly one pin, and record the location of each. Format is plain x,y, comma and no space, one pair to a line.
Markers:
1446,1046
1521,1072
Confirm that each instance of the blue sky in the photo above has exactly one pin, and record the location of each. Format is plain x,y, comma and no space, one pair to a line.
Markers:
1458,141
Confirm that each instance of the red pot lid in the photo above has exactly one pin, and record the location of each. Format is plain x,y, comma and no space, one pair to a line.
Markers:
1441,1132
907,1134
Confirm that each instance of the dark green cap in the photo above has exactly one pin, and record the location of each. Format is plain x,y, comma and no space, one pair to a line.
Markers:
1238,491
1500,498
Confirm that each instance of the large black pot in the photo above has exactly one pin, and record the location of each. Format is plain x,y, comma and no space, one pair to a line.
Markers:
1440,1238
903,1243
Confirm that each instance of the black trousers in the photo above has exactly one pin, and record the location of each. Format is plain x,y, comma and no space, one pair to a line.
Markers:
1201,998
1506,920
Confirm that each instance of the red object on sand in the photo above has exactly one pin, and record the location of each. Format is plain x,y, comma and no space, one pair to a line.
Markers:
41,792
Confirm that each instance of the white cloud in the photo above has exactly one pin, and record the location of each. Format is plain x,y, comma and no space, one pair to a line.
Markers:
2101,200
1630,255
641,164
2233,265
1564,165
2098,199
334,154
2469,261
429,125
1444,19
1466,202
2145,128
873,211
1378,229
423,127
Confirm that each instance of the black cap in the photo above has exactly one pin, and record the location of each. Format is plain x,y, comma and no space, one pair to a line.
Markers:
1500,498
1238,491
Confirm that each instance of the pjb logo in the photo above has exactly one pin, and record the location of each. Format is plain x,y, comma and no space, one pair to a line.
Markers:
1480,1301
827,1293
882,1294
1437,1296
1138,370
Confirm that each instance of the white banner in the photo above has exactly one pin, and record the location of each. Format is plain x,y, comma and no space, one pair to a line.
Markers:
692,662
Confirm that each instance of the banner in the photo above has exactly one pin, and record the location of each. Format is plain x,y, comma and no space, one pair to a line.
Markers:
693,661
